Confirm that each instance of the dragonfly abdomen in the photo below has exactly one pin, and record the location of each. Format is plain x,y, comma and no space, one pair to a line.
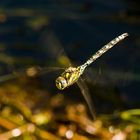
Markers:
105,48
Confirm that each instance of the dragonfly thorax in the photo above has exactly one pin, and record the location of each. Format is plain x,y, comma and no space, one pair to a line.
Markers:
68,77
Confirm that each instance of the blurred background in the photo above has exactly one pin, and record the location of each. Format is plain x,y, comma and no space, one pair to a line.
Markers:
38,39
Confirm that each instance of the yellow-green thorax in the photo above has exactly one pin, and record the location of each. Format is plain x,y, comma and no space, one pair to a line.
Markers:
69,77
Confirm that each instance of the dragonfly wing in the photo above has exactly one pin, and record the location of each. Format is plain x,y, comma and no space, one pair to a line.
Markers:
85,92
44,70
29,72
55,49
52,38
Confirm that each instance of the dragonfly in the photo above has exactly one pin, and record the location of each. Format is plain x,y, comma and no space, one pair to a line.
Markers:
72,74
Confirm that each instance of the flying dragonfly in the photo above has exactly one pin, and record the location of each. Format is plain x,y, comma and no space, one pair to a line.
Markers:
72,74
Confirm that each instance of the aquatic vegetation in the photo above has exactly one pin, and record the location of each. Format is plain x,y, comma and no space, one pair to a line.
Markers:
28,122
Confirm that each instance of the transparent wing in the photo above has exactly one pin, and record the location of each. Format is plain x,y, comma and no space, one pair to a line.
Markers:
85,92
29,72
36,70
56,50
81,84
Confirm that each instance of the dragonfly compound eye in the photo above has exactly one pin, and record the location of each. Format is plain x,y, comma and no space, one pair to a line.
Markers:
61,83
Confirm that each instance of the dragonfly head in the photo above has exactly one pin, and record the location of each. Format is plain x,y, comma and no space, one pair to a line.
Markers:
61,83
